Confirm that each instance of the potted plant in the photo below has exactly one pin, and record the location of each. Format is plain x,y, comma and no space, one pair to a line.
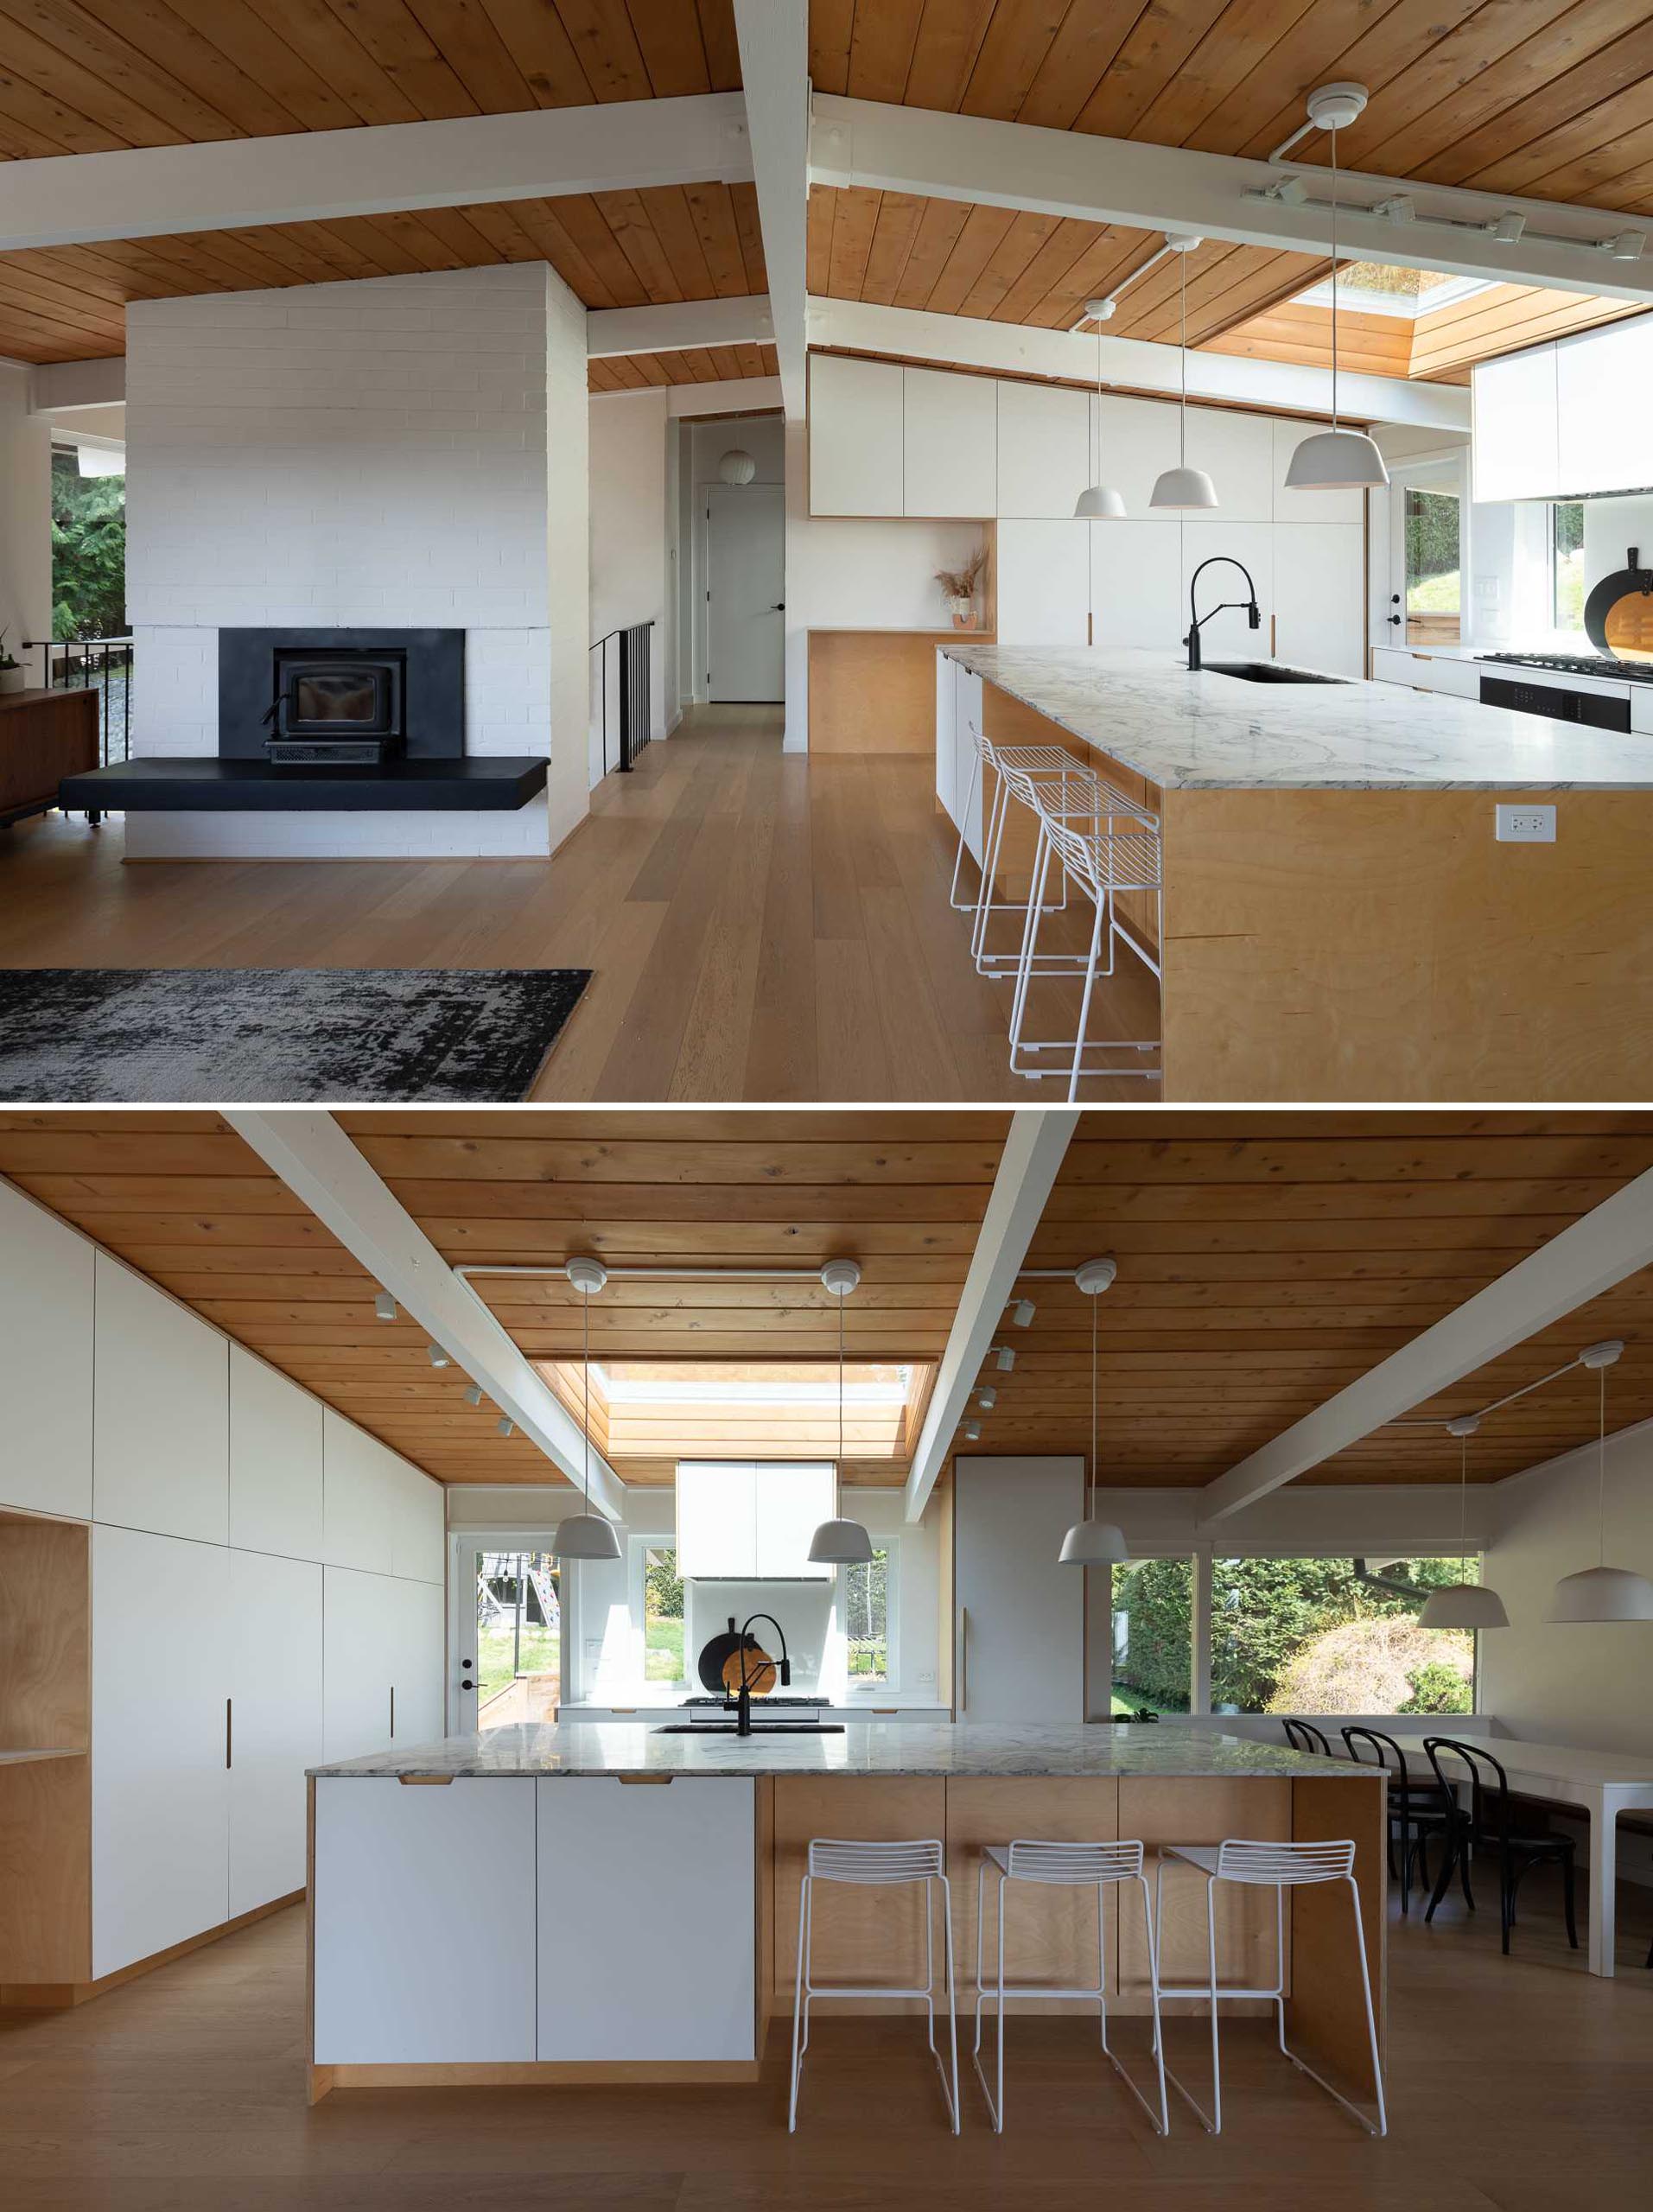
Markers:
13,676
958,588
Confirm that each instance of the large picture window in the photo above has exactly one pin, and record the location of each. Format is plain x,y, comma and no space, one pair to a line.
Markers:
1335,1635
1567,565
1153,1636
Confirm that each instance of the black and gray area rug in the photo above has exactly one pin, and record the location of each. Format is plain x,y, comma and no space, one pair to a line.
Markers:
278,1035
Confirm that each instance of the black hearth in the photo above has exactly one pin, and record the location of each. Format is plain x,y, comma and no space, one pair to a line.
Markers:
340,699
338,708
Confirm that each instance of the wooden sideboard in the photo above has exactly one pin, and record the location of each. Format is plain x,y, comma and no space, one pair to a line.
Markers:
44,736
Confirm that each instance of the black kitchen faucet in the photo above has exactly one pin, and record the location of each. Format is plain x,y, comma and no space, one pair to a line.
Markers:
1197,622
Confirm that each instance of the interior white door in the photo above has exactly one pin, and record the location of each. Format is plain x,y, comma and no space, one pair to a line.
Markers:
1019,1654
424,1922
362,1630
631,1876
46,1300
746,592
1319,574
160,1447
161,1687
275,1461
276,1721
418,1654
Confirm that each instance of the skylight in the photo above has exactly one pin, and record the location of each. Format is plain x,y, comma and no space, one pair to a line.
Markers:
649,1413
1373,288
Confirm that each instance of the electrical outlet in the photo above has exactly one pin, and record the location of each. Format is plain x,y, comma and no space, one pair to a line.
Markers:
926,1682
1526,825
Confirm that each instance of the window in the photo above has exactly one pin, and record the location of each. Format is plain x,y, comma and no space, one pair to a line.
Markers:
663,1660
1152,1617
1434,565
866,1591
1566,591
1335,1635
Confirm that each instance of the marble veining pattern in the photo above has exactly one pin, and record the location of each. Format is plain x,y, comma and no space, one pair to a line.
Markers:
1208,731
872,1748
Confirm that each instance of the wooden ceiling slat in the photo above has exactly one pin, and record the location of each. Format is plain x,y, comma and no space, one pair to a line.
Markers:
236,31
854,218
327,45
464,33
939,67
604,38
882,41
1014,46
150,42
711,209
940,227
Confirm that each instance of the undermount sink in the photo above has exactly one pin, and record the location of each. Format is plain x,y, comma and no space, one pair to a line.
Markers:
1265,671
758,1728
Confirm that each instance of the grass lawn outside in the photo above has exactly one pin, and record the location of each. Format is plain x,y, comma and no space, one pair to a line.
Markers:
663,1651
539,1655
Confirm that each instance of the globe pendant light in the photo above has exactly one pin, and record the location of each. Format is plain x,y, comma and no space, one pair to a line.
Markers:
1336,460
1463,1604
1183,486
1099,502
838,1542
585,1534
736,467
1602,1593
1089,1542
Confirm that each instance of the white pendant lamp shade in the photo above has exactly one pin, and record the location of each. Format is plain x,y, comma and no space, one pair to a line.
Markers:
1088,1542
1463,1604
585,1534
737,467
838,1542
1336,461
1099,503
1602,1593
1183,488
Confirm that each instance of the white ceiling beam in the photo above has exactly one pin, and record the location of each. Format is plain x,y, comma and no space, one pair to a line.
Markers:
774,41
1135,363
1028,1166
326,1172
675,325
1604,1247
1143,187
311,175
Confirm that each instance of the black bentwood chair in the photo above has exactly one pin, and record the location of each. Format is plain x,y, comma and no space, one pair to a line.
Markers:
1304,1736
1414,1810
1485,1825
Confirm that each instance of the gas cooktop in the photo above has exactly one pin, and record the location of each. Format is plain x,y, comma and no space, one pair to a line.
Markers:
1614,672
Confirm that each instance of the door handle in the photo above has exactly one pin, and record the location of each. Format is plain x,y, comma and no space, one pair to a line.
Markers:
776,606
1394,622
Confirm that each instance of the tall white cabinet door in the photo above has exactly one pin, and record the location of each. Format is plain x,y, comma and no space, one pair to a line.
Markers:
1603,441
161,1445
1229,635
1319,582
1347,503
1044,451
424,1922
1044,582
1020,1656
418,1524
360,1510
46,1359
966,772
947,791
856,419
1136,597
361,1646
1136,441
275,1714
275,1461
676,1868
160,1685
1515,453
1237,450
419,1658
951,434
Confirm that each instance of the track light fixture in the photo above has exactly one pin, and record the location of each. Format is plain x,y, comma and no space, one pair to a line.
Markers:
972,1431
384,1306
987,1397
1003,1358
438,1356
504,1424
474,1395
1021,1313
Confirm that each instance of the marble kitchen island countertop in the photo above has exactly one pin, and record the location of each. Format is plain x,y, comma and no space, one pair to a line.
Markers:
1205,731
888,1748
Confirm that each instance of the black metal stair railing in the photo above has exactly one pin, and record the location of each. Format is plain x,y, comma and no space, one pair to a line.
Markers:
631,716
103,663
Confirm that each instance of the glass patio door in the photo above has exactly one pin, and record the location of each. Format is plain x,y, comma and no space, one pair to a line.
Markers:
1428,549
508,1630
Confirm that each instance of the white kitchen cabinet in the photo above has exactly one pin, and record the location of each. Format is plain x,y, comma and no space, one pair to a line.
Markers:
1136,597
1135,441
1044,451
362,1629
1604,437
947,791
675,1863
46,1360
1516,451
276,1721
1319,589
275,1461
418,1524
1229,635
1237,450
359,1501
418,1662
424,1922
161,1457
1641,708
950,440
161,1686
1043,588
857,414
1019,1654
967,764
1348,504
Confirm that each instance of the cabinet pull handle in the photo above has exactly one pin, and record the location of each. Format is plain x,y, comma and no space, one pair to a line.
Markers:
424,1781
392,1708
644,1781
963,1657
229,1731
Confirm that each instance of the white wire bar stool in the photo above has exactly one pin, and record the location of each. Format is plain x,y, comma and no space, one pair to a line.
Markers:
1068,1865
1279,1866
878,1865
1017,769
1107,851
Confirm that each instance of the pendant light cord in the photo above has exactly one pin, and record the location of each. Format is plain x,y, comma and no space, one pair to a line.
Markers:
585,1424
1463,1499
1182,433
1334,278
839,1486
1601,1466
1091,1499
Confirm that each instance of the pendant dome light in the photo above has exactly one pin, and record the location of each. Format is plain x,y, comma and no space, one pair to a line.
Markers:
1602,1593
585,1534
1463,1604
736,467
1090,1542
1099,502
1336,460
839,1542
1183,486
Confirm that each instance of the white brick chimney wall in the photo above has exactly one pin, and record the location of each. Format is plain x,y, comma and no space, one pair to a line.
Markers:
334,456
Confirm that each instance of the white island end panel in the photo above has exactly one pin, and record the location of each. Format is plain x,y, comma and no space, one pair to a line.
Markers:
647,1919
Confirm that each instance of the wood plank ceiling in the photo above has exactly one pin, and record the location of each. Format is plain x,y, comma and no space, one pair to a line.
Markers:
1265,1260
1440,347
694,365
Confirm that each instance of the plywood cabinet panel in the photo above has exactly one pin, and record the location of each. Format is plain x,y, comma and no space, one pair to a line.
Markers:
859,1934
162,1407
857,432
46,1317
274,1462
950,443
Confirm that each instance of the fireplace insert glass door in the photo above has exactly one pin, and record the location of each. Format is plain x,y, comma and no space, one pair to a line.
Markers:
341,704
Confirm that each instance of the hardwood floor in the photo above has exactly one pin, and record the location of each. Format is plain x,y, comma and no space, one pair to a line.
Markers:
1516,2084
762,927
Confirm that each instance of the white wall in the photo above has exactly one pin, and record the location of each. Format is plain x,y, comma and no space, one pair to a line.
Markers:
405,449
633,553
703,446
25,518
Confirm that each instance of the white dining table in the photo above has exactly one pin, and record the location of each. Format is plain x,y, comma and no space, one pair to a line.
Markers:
1602,1785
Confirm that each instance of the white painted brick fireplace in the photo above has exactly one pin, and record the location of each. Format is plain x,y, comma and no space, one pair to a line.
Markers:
403,450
